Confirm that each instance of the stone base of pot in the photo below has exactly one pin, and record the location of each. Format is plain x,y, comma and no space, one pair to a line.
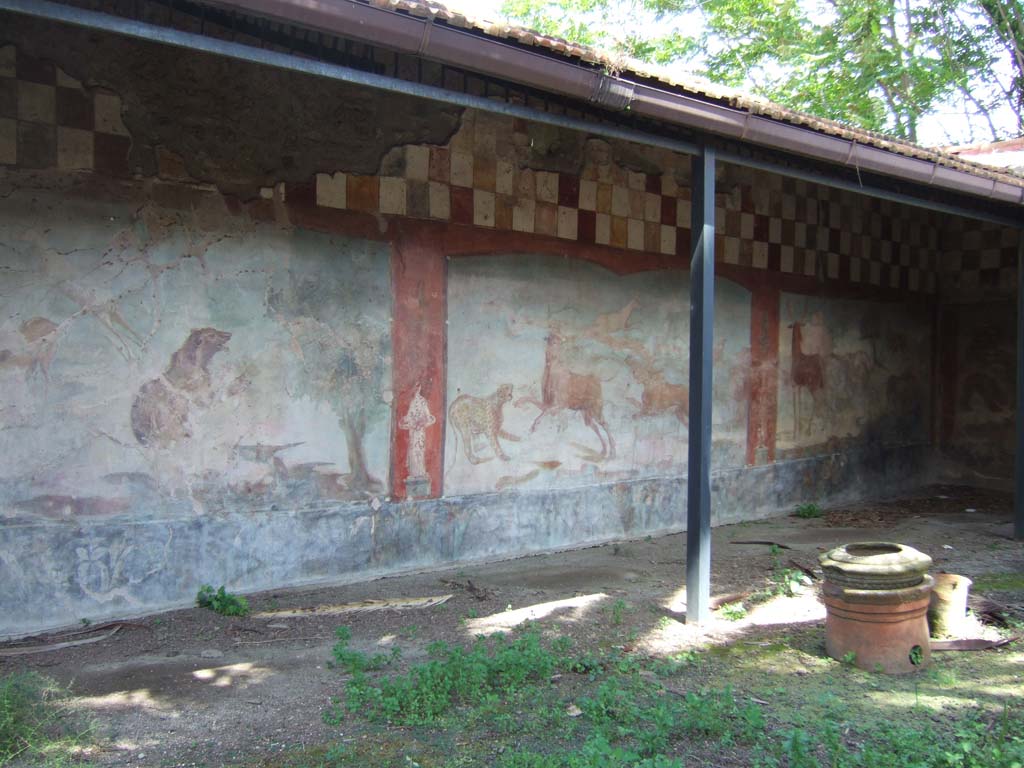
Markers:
947,613
879,630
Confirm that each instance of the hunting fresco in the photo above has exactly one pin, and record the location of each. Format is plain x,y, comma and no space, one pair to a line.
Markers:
562,373
155,360
850,371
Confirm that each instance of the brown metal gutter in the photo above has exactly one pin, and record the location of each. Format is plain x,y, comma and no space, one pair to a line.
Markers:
451,45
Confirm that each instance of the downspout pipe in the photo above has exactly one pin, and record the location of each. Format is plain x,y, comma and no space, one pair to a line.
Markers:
141,30
458,47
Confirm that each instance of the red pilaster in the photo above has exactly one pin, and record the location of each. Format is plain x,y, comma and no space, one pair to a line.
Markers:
764,374
418,270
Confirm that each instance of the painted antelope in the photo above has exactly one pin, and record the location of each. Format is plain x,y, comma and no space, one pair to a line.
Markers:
563,389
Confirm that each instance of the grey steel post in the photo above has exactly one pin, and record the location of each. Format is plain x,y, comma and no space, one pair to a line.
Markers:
702,313
1018,470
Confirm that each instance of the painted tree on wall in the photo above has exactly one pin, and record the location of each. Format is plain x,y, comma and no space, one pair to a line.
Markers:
878,64
343,363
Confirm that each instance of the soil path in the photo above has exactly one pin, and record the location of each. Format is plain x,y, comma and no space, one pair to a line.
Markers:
193,688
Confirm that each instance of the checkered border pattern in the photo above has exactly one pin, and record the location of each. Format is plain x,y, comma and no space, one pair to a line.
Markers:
772,222
795,227
481,178
49,120
636,214
981,257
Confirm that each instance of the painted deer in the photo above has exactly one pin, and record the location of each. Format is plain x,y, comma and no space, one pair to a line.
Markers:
563,389
806,372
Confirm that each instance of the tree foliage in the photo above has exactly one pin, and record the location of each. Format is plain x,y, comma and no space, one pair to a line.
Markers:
883,65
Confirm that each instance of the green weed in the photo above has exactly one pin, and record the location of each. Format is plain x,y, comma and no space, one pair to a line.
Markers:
500,666
808,511
35,726
221,601
916,655
356,661
973,743
618,608
733,611
784,582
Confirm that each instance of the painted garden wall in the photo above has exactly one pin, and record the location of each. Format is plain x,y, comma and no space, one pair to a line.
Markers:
287,359
852,371
562,373
155,362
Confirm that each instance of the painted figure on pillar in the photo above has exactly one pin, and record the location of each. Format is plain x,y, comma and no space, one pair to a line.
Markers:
416,422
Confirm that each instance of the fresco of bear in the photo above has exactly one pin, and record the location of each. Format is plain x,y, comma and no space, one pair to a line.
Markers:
182,362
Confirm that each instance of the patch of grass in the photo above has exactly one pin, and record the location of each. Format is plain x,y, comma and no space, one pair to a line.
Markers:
356,661
501,690
999,582
808,511
35,726
675,664
527,701
454,676
974,742
221,601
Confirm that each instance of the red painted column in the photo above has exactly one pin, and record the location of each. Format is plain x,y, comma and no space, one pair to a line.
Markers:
764,374
418,278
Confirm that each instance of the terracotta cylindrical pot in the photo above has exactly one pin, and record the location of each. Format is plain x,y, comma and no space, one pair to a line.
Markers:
879,630
948,610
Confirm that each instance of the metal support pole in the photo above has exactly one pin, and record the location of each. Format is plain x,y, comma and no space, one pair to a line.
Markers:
1018,470
702,314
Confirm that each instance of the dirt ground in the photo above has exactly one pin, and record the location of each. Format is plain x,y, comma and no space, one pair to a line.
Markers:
192,688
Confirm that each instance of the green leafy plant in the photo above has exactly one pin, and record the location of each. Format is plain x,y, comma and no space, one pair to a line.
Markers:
733,611
808,511
221,601
916,655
